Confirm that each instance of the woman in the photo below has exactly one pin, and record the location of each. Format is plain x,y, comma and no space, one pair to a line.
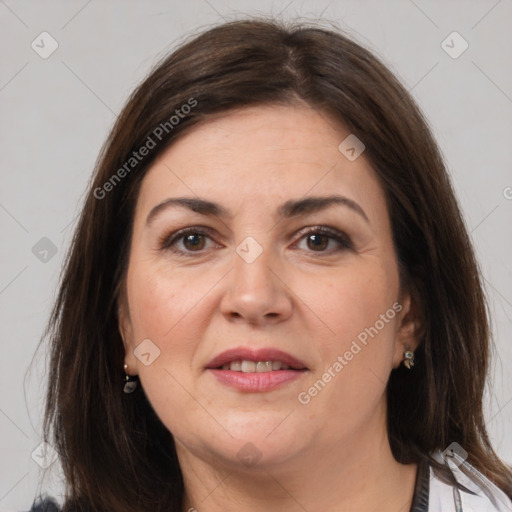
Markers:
272,250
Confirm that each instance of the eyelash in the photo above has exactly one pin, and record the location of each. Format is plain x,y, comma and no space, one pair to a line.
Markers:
166,242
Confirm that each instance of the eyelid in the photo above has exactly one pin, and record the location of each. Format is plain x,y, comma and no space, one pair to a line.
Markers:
166,241
322,229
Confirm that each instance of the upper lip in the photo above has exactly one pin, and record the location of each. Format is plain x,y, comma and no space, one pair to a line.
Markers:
262,354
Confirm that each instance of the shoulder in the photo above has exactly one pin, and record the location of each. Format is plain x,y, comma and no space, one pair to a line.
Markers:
480,494
45,505
50,504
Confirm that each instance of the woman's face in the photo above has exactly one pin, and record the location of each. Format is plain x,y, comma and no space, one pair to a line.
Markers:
264,276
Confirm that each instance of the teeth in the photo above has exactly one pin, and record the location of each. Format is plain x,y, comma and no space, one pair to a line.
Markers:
236,366
255,367
264,367
248,366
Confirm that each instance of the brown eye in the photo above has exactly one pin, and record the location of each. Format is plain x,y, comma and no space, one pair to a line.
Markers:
194,241
317,242
187,241
321,238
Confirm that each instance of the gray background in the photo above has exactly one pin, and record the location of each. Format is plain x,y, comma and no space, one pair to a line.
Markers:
56,113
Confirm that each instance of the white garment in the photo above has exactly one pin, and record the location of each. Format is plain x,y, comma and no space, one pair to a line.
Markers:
446,498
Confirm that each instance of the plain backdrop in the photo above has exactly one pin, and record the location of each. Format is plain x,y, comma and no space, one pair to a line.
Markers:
56,112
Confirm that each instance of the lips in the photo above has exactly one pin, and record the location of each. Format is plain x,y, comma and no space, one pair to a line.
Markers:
263,360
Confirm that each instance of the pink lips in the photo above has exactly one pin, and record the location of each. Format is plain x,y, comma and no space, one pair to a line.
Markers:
254,381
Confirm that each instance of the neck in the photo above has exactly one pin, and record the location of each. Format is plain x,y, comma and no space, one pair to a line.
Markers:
358,474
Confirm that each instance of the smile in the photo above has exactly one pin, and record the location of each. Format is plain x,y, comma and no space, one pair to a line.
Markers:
255,370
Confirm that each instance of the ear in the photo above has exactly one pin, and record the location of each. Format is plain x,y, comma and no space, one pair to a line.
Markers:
126,331
408,328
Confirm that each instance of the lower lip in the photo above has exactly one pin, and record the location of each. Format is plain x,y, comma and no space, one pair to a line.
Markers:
256,382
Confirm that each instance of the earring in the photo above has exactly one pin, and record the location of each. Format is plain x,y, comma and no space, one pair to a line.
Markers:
409,359
130,382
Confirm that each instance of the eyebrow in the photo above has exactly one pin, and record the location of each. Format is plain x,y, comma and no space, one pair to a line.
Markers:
291,208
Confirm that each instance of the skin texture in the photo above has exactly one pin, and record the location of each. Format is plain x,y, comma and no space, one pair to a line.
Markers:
309,300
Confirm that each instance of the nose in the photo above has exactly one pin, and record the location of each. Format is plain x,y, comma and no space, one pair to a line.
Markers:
257,292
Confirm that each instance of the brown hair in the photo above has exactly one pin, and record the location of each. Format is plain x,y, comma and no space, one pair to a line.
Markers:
115,452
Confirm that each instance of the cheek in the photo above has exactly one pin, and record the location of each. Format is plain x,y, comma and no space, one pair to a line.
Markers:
352,302
161,300
163,307
357,359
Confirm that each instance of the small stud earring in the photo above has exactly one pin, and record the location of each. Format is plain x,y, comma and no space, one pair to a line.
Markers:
409,359
130,382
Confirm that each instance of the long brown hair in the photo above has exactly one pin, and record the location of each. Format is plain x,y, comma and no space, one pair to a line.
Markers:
115,452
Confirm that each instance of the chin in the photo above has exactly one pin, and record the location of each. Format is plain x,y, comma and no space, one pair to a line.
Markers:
260,442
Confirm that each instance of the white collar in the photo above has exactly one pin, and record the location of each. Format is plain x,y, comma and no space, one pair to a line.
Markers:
444,497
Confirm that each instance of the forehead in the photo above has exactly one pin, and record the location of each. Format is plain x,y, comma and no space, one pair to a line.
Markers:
260,155
272,133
